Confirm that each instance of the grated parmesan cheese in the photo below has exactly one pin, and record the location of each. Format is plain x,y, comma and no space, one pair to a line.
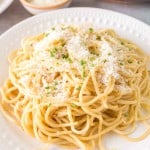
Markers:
110,66
44,44
76,48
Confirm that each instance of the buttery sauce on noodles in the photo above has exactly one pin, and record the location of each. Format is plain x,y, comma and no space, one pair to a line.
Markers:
71,86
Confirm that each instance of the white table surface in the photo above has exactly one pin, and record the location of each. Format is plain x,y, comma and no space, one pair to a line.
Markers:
16,13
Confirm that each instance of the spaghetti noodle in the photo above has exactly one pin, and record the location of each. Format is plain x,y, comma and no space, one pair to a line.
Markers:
71,86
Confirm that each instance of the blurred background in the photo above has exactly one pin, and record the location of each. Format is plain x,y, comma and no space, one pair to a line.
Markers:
139,9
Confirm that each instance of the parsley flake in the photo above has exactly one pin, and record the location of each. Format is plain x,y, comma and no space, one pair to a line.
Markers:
92,65
73,105
53,28
82,62
47,87
65,56
53,52
49,104
121,64
48,93
126,114
104,60
130,61
46,34
91,30
78,88
122,43
83,74
118,49
69,60
56,83
92,58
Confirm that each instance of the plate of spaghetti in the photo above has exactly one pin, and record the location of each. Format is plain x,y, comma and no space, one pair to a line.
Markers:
77,78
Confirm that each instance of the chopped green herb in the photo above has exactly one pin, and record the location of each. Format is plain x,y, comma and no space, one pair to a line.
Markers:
65,56
63,28
104,60
73,105
47,87
48,93
69,60
91,29
130,61
56,83
49,104
121,64
78,88
109,54
53,88
46,34
50,88
122,43
83,74
140,61
118,49
55,49
82,62
53,52
63,44
126,114
53,28
92,58
92,65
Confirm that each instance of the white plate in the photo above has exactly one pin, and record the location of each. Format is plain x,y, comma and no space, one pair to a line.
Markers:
11,138
4,4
